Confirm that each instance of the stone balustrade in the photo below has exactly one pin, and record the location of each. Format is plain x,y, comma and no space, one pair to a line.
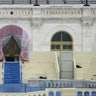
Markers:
15,13
61,12
47,12
63,83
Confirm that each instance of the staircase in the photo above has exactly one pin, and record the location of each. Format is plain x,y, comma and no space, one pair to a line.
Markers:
12,72
42,64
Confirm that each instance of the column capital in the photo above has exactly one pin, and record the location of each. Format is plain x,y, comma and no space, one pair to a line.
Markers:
36,22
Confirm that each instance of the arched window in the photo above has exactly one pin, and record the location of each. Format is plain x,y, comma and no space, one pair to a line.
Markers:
51,93
61,41
86,93
79,93
93,93
58,93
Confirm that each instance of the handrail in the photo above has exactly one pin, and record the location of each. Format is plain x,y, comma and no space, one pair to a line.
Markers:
57,65
74,62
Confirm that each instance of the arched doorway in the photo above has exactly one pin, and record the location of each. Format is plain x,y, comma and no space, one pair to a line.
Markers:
11,48
79,93
86,93
61,41
14,43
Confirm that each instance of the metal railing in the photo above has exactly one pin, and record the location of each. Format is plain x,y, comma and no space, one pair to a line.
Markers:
37,2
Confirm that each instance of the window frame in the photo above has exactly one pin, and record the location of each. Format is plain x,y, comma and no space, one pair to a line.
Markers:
62,43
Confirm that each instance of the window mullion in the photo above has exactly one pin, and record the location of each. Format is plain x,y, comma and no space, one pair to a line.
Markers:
60,45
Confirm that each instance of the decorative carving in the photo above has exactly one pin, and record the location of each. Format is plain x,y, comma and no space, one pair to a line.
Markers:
36,22
87,21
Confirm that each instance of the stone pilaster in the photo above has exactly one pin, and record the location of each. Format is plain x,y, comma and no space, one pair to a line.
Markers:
87,24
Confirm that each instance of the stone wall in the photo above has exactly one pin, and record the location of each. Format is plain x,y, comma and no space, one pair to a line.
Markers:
42,22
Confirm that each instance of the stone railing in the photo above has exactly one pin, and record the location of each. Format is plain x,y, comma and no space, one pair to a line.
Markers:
61,12
15,13
57,65
64,83
46,12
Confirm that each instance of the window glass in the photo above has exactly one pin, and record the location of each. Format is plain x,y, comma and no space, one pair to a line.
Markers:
61,41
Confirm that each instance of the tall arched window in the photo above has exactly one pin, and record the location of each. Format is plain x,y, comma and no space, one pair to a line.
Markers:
61,41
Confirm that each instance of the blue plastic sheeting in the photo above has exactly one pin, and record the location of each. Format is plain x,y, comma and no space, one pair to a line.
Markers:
13,88
32,89
86,93
51,93
93,93
12,72
79,93
7,88
58,93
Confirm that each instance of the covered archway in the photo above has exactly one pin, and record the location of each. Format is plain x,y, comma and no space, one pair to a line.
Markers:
14,44
16,37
